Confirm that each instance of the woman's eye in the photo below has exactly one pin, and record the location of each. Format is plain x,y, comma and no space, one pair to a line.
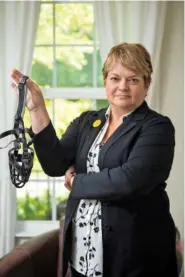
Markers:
114,78
134,81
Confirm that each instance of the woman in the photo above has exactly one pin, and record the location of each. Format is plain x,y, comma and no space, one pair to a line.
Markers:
118,222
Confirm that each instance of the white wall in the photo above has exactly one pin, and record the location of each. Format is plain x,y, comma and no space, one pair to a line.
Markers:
172,102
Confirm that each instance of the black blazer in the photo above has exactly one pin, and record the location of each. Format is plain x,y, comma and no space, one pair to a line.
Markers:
138,230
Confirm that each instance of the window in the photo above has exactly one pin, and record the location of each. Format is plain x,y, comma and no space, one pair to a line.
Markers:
67,67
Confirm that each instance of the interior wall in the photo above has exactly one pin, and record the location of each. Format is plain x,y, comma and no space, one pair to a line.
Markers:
172,102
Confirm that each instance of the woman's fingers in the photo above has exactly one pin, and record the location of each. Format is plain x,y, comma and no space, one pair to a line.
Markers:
16,75
35,98
66,180
69,173
67,177
67,186
14,86
71,170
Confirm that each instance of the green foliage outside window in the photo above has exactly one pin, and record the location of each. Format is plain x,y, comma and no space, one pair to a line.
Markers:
35,208
74,43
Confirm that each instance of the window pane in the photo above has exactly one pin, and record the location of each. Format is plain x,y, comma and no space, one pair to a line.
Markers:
101,103
49,106
45,28
74,66
74,23
42,66
63,117
34,201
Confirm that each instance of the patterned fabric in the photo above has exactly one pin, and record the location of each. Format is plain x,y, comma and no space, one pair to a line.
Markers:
87,247
87,250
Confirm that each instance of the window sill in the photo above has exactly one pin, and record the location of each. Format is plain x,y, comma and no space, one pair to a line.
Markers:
29,228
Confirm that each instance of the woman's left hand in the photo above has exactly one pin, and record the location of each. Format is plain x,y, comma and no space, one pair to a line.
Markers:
69,177
71,181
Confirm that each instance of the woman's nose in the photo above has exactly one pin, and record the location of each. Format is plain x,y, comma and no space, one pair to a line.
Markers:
123,85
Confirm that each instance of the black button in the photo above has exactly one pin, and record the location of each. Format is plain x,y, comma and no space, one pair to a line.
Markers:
106,203
67,220
107,227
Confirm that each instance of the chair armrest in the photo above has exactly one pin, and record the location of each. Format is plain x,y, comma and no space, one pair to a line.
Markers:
34,258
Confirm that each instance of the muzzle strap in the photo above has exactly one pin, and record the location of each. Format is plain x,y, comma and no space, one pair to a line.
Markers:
21,155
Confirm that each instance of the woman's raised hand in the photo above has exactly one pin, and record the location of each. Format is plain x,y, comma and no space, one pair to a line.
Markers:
35,102
35,98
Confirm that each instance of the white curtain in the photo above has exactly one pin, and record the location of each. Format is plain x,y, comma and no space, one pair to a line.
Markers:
136,22
18,24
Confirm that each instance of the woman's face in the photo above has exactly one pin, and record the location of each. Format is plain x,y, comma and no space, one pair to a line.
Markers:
125,89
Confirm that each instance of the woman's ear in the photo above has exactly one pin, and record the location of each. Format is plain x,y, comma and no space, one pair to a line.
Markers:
147,84
146,91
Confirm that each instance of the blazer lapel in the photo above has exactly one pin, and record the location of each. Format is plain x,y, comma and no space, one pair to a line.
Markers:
128,124
95,124
123,129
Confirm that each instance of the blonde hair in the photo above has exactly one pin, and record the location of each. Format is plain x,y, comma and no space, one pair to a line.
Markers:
131,56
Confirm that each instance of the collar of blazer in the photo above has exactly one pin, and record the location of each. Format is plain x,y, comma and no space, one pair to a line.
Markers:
140,112
91,132
136,115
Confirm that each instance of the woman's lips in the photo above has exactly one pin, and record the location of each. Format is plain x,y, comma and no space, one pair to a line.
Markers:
123,96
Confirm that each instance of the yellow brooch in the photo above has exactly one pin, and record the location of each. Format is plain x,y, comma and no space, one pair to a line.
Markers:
96,123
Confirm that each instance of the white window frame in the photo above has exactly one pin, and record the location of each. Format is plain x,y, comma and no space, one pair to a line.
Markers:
74,93
30,228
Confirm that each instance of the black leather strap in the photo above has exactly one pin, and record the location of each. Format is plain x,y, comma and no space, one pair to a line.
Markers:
22,97
21,155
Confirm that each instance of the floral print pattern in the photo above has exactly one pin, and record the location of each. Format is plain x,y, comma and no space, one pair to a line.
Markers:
87,248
